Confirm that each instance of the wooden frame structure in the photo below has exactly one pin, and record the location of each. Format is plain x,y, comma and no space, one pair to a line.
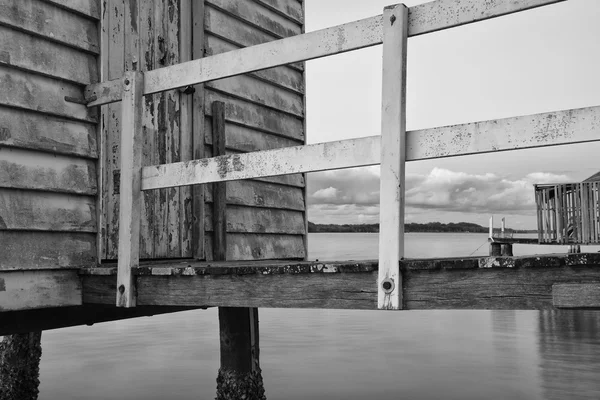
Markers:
391,150
568,213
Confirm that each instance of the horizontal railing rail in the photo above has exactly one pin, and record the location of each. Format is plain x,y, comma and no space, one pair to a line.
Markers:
391,149
424,18
524,132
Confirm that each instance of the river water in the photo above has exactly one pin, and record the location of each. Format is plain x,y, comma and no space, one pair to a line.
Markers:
333,354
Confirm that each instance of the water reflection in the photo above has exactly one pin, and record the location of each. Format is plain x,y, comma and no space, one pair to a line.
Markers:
569,347
333,354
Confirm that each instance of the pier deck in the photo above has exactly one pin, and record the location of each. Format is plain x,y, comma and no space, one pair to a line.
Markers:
536,282
524,282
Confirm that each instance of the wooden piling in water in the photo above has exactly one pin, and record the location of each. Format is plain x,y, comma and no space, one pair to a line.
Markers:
240,376
506,249
495,249
20,366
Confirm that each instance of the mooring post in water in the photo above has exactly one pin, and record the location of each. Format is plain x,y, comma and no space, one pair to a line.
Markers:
240,376
506,249
20,366
495,249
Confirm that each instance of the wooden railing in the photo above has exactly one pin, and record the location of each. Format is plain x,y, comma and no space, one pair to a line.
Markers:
391,149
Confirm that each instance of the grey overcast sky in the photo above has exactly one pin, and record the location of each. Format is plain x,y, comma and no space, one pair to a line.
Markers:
546,59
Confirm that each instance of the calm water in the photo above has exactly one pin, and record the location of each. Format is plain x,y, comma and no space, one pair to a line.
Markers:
341,354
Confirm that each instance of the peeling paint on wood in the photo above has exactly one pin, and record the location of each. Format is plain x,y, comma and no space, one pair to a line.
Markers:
289,160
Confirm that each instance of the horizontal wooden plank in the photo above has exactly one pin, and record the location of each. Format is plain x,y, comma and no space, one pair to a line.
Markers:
89,8
312,45
289,160
259,16
296,180
308,46
46,250
230,29
54,23
258,220
437,15
24,321
256,116
547,129
242,139
291,9
258,91
261,194
31,130
42,94
537,130
576,295
284,76
26,290
29,210
35,54
472,283
22,169
252,246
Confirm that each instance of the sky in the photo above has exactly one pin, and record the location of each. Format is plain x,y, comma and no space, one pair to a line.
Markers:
545,59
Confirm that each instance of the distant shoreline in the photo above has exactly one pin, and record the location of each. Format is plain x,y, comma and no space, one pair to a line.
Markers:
430,227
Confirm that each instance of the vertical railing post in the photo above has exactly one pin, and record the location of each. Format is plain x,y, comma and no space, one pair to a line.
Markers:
393,157
131,186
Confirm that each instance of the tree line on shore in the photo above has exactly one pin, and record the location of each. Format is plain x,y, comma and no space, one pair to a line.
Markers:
409,227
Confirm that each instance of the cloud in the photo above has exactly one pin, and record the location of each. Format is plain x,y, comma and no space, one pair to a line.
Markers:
352,196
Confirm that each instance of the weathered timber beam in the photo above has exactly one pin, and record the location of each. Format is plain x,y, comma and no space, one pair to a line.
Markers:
538,130
424,18
30,289
287,160
452,283
393,157
13,322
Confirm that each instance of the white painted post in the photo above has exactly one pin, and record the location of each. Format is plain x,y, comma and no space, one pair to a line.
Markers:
131,185
393,157
503,226
491,227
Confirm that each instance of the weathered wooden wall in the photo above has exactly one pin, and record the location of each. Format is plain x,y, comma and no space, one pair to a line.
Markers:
145,35
264,110
48,146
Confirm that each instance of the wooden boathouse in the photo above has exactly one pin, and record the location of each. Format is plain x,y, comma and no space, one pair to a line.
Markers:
152,157
569,213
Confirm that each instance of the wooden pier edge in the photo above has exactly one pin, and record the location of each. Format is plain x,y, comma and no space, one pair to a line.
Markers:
475,283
